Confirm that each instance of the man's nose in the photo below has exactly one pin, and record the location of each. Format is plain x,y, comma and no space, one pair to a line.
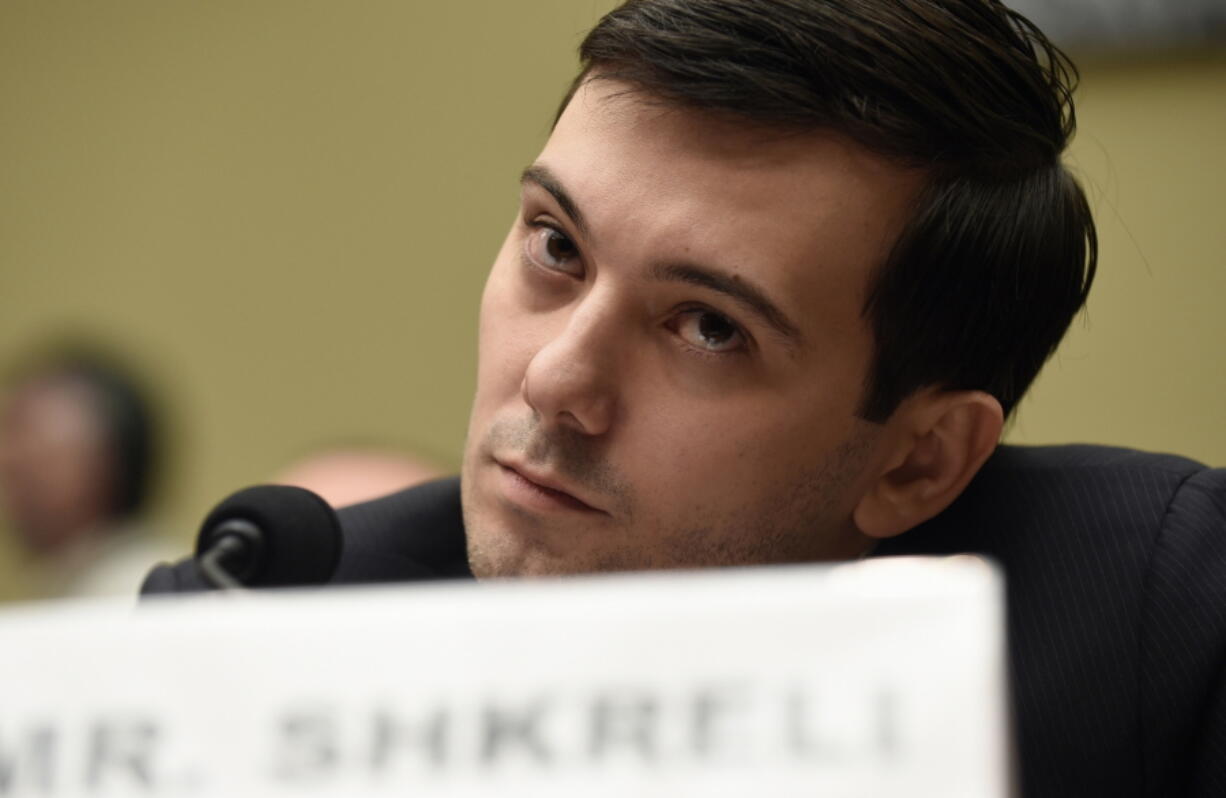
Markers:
571,380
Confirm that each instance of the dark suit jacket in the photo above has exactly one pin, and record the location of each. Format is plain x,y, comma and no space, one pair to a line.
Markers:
1115,565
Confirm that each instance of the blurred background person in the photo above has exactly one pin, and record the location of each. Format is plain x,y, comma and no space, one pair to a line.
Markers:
78,452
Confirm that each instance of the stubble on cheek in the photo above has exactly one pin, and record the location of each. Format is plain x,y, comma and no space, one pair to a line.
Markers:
799,518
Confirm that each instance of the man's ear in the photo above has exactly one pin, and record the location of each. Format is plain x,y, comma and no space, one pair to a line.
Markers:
938,441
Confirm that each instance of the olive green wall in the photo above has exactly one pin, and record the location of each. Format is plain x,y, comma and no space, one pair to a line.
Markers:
284,212
1146,365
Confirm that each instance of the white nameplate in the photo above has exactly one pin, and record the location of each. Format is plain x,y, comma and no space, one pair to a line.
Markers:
879,678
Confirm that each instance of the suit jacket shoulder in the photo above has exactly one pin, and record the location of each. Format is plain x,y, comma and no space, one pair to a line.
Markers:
1183,643
1115,568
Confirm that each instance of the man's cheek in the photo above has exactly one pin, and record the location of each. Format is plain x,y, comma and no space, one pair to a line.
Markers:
504,365
680,461
497,346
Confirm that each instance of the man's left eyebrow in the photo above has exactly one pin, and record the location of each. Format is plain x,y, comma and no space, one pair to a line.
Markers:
541,175
744,293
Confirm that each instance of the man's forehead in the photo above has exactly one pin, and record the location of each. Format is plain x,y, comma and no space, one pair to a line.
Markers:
607,114
612,131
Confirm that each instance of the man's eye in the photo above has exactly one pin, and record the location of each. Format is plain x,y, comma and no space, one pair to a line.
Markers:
709,331
553,250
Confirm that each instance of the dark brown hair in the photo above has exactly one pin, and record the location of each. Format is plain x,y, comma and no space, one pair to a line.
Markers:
1001,249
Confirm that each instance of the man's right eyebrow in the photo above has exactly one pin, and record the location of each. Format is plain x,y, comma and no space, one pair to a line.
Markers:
540,175
742,291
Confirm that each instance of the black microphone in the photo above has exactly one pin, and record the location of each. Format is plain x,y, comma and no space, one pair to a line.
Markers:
269,536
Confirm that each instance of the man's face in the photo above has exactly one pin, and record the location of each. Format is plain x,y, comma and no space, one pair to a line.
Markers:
671,346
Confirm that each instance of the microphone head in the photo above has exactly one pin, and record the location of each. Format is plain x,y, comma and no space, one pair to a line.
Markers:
299,536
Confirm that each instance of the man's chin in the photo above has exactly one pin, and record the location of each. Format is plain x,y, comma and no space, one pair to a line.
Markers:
511,558
511,562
